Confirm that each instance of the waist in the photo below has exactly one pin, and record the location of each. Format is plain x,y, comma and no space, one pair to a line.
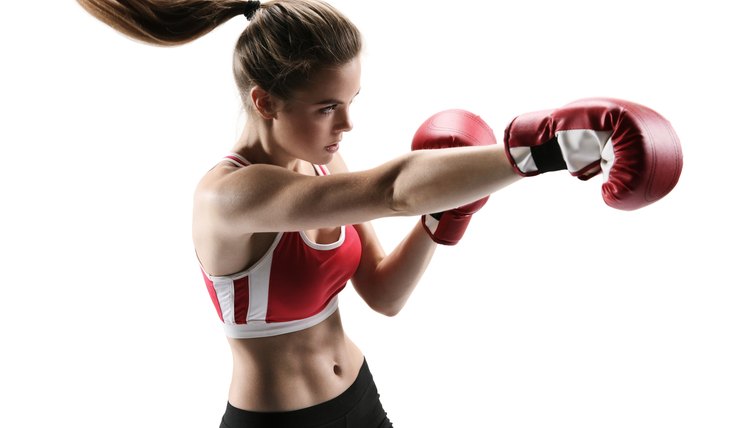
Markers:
353,399
295,370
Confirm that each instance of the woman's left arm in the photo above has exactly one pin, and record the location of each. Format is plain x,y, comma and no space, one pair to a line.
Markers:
385,282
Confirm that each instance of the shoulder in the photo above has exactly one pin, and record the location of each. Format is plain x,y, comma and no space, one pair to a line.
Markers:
227,186
210,185
225,177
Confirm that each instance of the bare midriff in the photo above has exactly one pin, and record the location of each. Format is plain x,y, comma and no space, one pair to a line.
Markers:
295,370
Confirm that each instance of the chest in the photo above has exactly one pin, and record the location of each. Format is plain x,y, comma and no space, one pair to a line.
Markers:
323,236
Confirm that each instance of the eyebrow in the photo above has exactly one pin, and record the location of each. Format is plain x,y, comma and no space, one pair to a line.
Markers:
333,100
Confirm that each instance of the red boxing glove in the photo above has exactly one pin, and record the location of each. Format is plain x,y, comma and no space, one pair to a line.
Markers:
634,147
452,128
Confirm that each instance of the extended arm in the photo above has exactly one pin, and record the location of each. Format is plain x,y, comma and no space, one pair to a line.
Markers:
267,198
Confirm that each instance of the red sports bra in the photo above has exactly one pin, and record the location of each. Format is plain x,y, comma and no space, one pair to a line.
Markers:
294,285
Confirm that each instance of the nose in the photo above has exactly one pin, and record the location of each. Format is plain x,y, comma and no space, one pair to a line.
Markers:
344,120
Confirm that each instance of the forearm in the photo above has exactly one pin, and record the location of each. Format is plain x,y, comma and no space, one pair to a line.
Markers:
387,287
437,180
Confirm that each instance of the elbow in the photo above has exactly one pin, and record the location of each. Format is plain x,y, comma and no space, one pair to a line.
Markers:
388,312
389,309
395,185
401,203
380,302
395,199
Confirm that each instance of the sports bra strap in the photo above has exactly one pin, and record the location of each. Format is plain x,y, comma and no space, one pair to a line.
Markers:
237,160
321,170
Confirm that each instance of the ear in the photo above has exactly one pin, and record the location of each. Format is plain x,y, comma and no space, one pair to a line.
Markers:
264,103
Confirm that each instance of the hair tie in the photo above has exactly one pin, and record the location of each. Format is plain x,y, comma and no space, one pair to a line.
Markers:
250,8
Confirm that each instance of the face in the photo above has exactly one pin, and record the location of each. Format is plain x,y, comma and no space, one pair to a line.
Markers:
310,126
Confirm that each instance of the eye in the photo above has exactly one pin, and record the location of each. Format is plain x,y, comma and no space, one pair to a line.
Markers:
328,109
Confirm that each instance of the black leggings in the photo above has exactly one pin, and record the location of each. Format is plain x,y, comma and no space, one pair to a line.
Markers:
359,406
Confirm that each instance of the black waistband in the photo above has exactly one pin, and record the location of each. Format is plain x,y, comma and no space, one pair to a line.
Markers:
308,417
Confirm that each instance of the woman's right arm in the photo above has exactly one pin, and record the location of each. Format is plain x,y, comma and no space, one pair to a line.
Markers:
267,198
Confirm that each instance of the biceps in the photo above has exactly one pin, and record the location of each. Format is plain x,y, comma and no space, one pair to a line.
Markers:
282,201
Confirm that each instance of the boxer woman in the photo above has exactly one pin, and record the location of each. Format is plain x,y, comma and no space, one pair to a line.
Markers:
280,224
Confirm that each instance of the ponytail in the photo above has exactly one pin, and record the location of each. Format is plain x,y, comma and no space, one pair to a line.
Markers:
283,45
164,23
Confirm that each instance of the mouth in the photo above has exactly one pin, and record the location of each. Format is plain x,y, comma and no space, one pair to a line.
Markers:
332,148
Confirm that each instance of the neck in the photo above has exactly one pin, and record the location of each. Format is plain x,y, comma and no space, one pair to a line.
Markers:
257,146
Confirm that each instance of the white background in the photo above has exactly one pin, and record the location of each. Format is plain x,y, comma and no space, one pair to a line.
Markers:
554,311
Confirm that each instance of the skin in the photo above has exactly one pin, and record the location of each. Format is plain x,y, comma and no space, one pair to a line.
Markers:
237,212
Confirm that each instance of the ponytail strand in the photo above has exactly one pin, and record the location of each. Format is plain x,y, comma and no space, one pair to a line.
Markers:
164,23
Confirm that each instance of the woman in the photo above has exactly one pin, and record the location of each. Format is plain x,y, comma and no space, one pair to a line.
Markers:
280,225
285,174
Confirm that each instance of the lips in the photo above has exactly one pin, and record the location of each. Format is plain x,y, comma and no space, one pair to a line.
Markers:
332,148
